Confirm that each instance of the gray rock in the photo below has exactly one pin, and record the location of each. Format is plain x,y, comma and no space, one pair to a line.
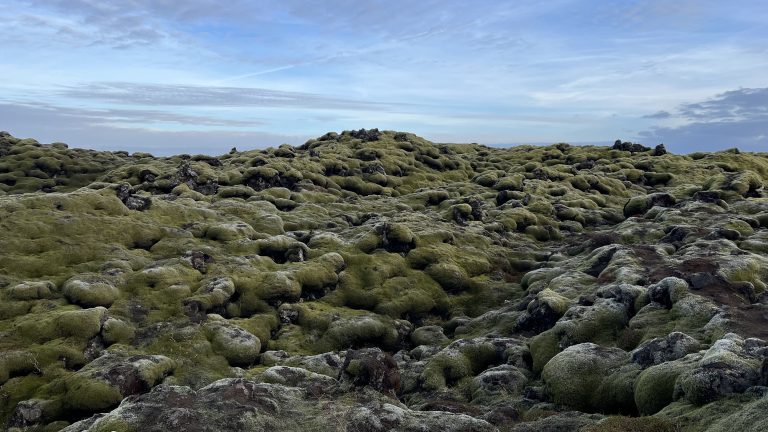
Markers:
668,291
237,345
246,405
726,368
674,346
371,367
497,382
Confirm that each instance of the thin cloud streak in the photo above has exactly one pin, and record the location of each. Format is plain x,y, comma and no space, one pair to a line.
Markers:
186,95
48,125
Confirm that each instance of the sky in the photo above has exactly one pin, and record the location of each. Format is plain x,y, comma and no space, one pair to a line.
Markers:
203,76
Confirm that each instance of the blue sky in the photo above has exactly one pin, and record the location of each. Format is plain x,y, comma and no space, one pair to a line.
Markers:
202,76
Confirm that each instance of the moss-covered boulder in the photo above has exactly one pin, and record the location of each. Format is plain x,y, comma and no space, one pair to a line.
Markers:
237,345
90,291
574,376
726,368
33,290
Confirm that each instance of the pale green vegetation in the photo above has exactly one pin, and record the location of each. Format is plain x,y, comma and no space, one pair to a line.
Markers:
540,279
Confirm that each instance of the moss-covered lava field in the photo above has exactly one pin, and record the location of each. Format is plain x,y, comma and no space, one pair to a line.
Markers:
375,281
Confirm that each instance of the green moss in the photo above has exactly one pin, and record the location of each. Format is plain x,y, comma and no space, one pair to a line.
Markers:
749,418
80,324
695,418
763,219
556,302
444,368
568,213
543,347
14,363
462,210
109,423
90,395
472,260
657,178
617,390
400,233
33,290
513,182
293,339
358,331
454,363
229,231
262,326
600,323
23,389
575,377
654,388
117,331
213,293
194,360
263,286
320,273
636,206
90,291
747,269
237,345
450,276
409,296
541,233
237,191
633,424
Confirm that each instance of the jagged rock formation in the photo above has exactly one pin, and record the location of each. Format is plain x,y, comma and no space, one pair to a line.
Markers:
372,280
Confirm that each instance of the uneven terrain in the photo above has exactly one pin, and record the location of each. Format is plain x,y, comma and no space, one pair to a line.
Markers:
372,281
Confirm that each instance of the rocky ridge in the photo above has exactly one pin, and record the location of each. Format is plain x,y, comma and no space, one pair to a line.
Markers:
373,280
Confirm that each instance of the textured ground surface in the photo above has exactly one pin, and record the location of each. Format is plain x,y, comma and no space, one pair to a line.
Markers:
375,281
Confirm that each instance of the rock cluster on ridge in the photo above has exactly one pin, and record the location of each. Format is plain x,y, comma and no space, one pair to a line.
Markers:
372,280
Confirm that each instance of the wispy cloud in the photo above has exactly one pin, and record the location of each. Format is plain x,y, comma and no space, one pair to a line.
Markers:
658,115
116,130
133,116
186,95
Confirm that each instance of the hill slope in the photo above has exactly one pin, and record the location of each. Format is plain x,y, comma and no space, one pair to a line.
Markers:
377,281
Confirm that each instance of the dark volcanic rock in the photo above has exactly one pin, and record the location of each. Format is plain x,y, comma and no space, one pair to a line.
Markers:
728,367
365,135
371,367
641,204
630,147
659,150
672,347
134,202
243,405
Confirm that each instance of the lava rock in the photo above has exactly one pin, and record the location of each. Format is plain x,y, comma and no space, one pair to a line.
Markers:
674,346
630,147
371,367
365,135
134,202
